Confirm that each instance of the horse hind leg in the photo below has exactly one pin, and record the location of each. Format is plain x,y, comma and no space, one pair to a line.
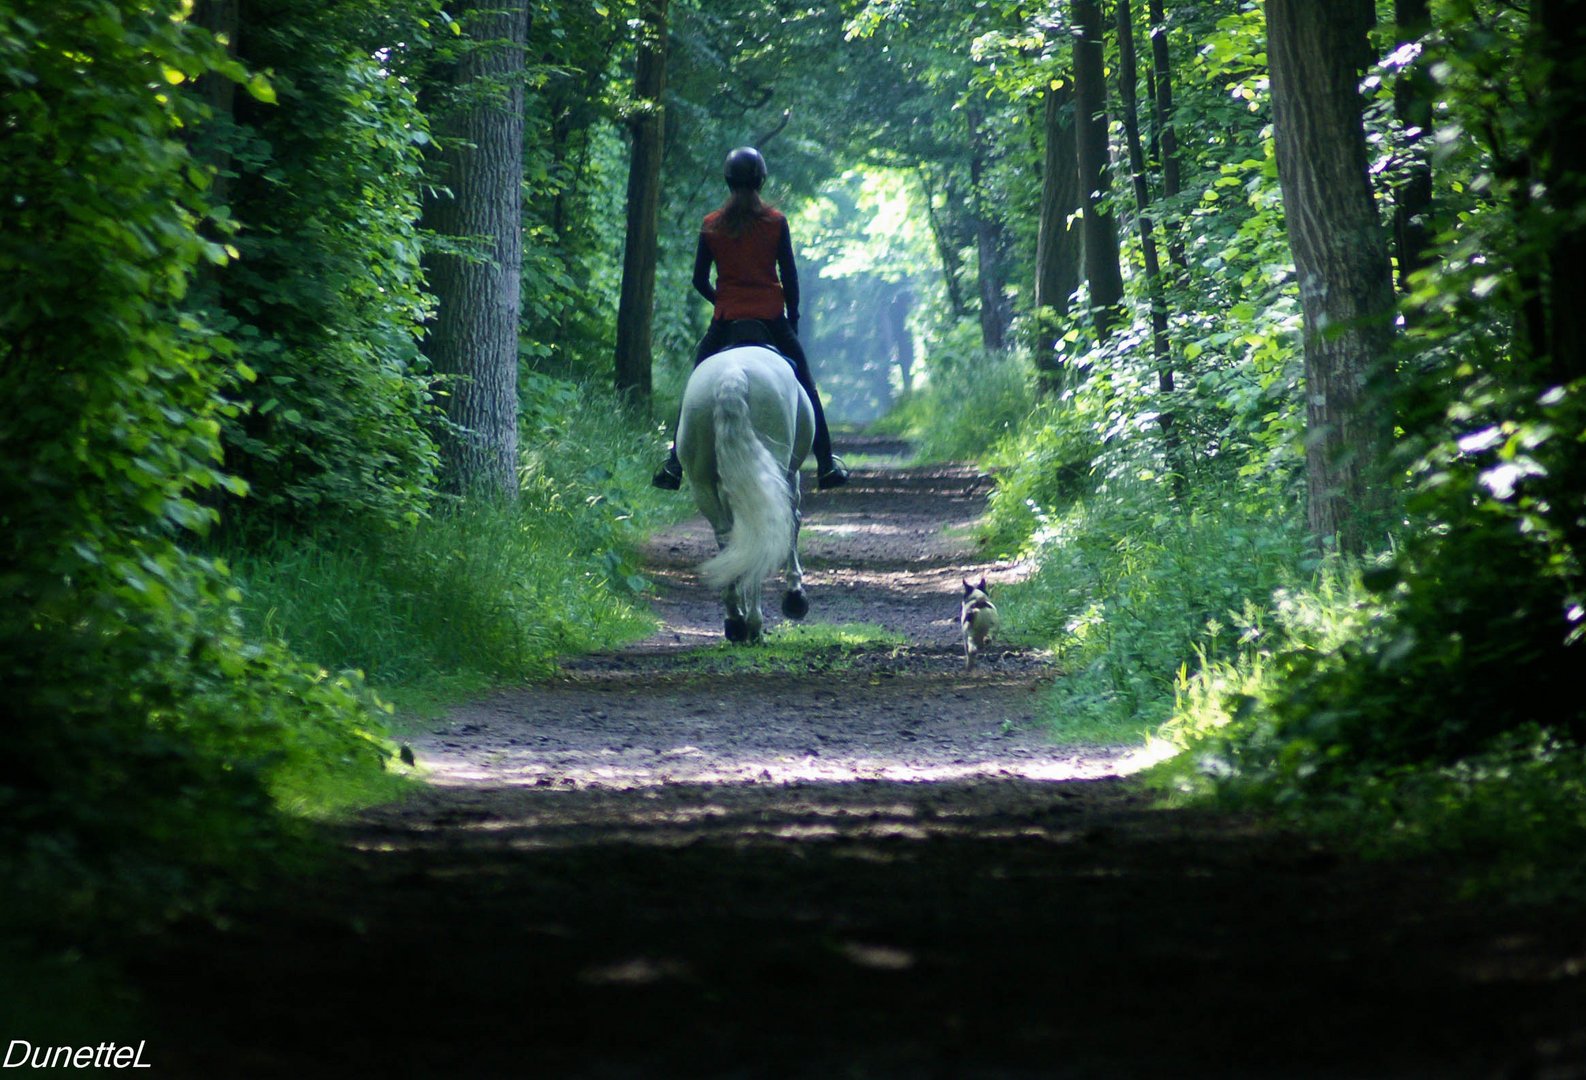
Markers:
755,619
737,626
795,602
744,625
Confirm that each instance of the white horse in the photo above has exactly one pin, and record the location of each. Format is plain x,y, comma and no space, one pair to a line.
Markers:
746,428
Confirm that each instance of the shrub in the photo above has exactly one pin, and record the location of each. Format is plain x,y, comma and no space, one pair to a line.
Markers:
973,400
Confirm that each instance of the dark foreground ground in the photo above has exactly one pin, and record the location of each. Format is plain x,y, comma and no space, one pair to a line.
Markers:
879,868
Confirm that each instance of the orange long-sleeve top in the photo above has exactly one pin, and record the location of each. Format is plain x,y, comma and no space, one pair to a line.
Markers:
755,274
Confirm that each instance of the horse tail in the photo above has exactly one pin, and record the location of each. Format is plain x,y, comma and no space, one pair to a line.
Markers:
754,487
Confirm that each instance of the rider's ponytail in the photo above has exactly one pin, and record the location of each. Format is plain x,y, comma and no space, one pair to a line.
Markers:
742,208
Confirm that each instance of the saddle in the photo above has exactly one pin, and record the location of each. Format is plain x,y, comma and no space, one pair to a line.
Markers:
742,332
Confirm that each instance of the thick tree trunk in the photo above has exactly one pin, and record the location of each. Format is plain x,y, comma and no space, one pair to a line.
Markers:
1128,76
1412,101
1561,150
1346,291
995,313
474,337
1102,266
1057,245
636,305
1166,135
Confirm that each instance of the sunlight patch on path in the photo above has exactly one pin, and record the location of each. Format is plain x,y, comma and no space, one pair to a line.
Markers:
688,764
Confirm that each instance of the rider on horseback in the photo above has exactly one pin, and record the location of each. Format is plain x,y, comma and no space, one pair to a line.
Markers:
749,242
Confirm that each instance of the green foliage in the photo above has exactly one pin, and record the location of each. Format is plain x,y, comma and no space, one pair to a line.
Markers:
1475,620
1512,810
974,399
146,734
480,593
1129,589
326,300
867,268
1424,703
575,171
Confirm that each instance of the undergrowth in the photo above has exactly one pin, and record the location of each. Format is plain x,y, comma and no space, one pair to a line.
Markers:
1359,701
1129,594
974,398
479,593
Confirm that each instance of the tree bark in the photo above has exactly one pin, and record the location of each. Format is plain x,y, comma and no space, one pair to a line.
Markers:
1315,53
636,305
995,314
1560,150
478,177
1102,265
900,341
1412,101
1057,244
1166,133
1161,351
945,251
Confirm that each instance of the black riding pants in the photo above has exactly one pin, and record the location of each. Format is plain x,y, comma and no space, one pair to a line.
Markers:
722,335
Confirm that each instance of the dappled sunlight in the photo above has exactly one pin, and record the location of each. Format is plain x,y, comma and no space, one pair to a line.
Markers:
855,528
692,765
870,821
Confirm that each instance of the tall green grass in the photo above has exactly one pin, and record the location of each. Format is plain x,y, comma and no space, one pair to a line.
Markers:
1514,814
974,399
479,593
1131,592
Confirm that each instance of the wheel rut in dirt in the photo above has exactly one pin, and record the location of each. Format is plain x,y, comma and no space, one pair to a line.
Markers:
660,865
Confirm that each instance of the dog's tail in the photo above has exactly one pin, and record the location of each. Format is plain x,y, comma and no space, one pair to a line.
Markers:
754,489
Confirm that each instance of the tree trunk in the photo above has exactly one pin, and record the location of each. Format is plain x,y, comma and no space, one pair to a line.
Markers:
995,314
1412,101
1166,134
1561,150
478,177
1102,266
945,250
1346,291
1128,76
636,305
900,341
1057,245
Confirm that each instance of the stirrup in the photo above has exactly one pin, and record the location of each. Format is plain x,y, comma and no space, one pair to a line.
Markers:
668,477
833,475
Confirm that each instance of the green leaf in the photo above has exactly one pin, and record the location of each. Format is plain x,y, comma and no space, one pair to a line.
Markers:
258,87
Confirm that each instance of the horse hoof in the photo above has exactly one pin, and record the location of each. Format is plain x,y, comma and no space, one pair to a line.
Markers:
795,604
737,629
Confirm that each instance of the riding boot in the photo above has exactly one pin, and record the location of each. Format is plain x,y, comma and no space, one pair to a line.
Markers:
831,473
670,475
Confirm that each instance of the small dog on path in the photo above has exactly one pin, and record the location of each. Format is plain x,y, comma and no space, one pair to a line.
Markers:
977,619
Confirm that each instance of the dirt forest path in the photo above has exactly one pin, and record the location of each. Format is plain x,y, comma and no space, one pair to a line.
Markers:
876,868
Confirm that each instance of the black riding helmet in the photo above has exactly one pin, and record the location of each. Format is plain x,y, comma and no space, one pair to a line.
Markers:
745,168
